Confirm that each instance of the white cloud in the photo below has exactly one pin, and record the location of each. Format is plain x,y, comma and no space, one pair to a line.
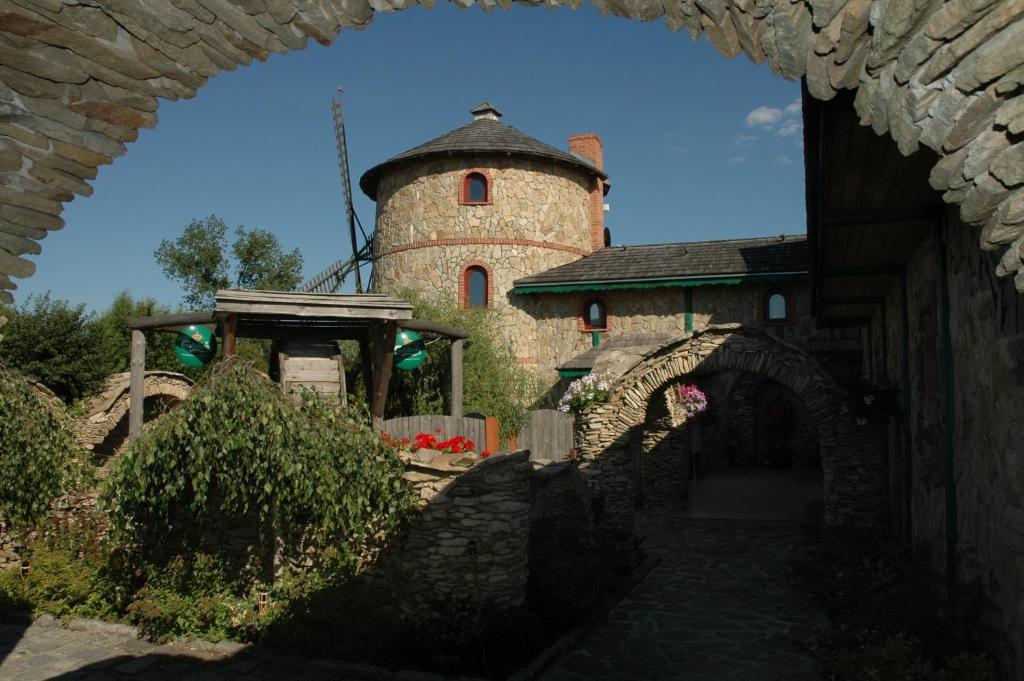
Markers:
790,128
742,139
783,159
763,116
737,159
794,108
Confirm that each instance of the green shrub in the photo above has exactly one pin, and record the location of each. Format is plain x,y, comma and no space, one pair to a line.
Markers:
38,453
69,576
237,454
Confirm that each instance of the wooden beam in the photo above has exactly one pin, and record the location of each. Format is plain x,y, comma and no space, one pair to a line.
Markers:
171,322
433,327
879,217
854,300
457,386
382,371
137,386
866,271
230,335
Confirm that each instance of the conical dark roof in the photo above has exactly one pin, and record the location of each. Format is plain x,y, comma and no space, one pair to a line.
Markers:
481,136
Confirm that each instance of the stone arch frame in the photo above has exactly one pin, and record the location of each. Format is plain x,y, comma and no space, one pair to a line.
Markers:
79,80
853,456
109,409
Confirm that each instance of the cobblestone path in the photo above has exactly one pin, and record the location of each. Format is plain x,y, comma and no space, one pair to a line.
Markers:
718,607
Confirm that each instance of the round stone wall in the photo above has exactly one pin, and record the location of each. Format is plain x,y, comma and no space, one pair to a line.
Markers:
538,218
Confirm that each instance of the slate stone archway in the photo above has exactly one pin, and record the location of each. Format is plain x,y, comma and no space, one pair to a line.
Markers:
852,452
78,80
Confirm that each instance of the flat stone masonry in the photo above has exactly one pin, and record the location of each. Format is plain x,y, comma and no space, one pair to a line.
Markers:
471,533
610,434
79,80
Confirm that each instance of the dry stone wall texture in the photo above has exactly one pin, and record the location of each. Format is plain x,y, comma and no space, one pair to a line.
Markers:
853,456
79,80
987,356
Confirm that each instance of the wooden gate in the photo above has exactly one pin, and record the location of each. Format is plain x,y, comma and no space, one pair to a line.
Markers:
548,435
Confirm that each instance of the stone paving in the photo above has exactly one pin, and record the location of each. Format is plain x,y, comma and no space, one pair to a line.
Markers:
87,650
718,607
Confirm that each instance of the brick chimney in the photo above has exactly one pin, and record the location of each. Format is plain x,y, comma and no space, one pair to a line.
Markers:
591,146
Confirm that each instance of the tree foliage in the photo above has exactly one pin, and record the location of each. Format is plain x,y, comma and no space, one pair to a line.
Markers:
201,261
56,343
494,384
38,453
236,452
116,343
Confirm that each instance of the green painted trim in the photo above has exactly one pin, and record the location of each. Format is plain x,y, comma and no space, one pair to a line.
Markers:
908,433
949,402
595,338
573,373
643,285
688,310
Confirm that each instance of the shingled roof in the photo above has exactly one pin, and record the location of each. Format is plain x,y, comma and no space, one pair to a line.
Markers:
665,262
484,135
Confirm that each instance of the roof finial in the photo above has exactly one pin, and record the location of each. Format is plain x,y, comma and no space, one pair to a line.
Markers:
485,110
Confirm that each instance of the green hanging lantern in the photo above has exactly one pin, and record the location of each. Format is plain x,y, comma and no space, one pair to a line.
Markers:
410,350
195,346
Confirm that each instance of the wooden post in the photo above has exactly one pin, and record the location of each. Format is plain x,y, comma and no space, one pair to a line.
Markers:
366,359
137,386
456,355
492,430
382,372
230,334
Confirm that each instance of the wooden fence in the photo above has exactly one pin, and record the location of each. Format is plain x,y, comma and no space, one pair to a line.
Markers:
548,435
450,426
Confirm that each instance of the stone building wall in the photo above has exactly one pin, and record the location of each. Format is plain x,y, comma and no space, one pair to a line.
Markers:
538,218
656,311
987,369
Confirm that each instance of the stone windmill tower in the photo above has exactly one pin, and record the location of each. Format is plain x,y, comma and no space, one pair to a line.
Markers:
464,215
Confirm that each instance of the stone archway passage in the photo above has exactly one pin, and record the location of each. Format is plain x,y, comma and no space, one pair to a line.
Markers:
853,456
78,80
108,411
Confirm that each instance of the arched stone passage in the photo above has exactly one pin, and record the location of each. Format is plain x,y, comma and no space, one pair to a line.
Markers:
853,456
105,426
78,80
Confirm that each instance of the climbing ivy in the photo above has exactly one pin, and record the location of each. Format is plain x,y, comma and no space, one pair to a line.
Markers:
237,452
38,453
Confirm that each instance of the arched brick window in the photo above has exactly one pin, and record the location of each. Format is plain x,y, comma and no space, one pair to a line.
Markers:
476,188
475,287
594,315
776,308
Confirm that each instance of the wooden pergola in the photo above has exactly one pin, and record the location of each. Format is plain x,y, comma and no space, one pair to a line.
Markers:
297,318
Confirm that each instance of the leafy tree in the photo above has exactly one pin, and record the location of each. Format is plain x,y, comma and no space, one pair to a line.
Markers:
201,261
117,337
56,343
494,384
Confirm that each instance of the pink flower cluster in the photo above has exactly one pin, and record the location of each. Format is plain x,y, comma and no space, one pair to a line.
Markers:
694,400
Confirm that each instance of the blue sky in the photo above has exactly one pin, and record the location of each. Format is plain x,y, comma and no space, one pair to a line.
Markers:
697,146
